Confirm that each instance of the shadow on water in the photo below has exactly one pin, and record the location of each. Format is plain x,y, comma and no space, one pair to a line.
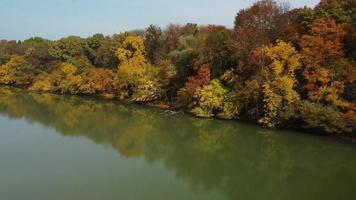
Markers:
242,161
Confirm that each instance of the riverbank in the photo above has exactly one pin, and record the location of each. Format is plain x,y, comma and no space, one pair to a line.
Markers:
170,110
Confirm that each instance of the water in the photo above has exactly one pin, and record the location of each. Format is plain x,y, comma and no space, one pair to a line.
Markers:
60,147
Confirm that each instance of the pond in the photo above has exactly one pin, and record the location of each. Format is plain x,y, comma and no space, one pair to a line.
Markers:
56,147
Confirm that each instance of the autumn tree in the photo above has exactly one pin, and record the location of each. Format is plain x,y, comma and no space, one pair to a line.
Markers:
279,82
136,78
257,25
105,53
64,79
186,93
103,80
18,71
324,65
215,100
212,48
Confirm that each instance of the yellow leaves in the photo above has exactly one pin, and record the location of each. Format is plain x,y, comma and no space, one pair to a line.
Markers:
5,74
230,108
211,95
75,80
136,78
272,104
68,69
148,90
229,77
17,71
132,61
328,93
132,47
279,82
63,79
213,98
288,92
43,82
285,58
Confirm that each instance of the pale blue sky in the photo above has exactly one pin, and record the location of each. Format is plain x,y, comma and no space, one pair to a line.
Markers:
21,19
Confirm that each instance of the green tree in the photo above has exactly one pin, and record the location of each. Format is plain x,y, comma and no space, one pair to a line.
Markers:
68,49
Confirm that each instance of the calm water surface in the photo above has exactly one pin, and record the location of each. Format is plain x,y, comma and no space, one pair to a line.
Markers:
59,147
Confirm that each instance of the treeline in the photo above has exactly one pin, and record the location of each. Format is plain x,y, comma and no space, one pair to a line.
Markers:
278,67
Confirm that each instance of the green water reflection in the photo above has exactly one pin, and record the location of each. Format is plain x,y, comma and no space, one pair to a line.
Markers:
135,152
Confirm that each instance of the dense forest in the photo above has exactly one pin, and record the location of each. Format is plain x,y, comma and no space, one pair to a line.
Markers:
277,66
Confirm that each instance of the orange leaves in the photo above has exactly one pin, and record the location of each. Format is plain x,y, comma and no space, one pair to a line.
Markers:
324,64
323,42
202,78
316,77
103,79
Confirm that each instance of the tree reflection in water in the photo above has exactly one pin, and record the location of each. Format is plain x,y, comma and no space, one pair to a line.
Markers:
242,161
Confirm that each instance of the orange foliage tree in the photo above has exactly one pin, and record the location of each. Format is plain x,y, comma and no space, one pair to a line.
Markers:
323,59
202,78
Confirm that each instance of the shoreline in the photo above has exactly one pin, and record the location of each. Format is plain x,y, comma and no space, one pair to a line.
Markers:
342,137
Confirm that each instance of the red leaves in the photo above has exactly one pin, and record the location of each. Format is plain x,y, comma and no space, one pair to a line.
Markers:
186,94
202,78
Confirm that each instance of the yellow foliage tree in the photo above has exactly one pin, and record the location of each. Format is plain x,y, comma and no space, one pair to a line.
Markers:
18,71
5,77
136,78
279,82
214,100
43,82
63,80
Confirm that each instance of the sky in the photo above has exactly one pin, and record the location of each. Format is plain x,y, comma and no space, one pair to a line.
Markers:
53,19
